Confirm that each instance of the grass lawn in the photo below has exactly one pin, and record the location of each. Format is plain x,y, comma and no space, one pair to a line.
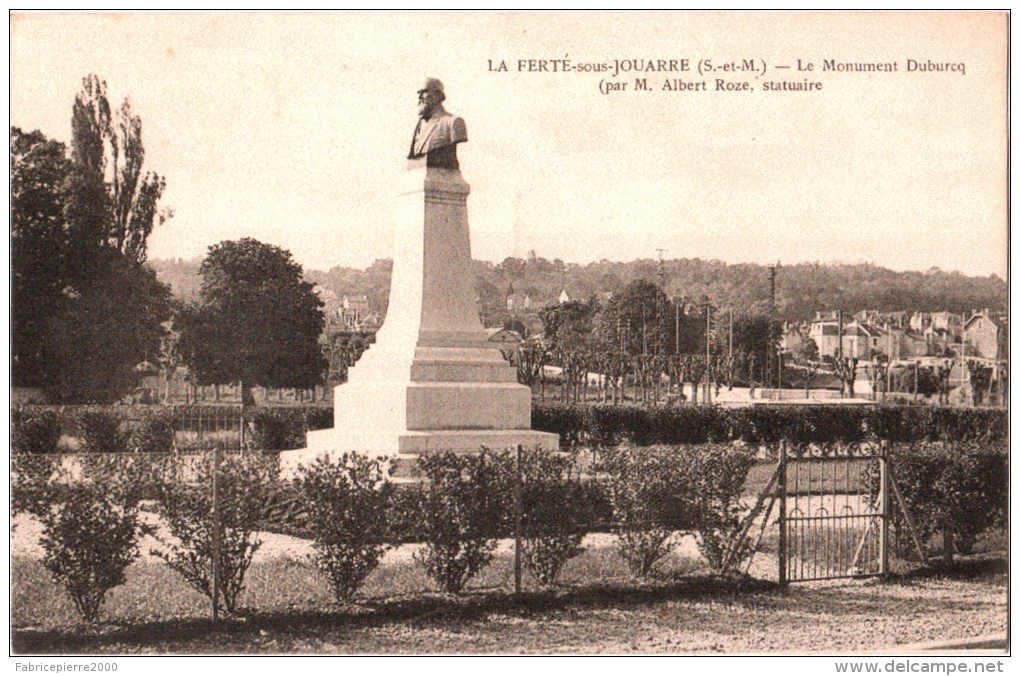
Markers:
287,608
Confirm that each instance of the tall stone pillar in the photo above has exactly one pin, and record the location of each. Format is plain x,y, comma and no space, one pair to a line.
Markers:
432,381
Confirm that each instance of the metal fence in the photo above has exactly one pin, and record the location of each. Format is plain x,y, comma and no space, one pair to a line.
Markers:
834,511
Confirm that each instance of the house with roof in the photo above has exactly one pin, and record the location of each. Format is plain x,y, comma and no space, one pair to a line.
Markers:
503,335
352,310
985,335
860,339
515,302
825,333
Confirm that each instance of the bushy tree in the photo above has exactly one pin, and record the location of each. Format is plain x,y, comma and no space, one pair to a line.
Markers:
108,325
39,169
86,310
568,326
346,501
456,513
644,487
257,323
185,504
641,318
755,336
90,538
553,522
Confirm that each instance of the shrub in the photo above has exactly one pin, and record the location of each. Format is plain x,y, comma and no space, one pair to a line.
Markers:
644,487
245,483
155,434
102,432
30,477
318,418
279,429
90,534
552,523
961,489
346,503
457,513
607,425
718,474
567,421
34,431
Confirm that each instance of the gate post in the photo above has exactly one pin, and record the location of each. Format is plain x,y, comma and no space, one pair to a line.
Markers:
782,513
883,492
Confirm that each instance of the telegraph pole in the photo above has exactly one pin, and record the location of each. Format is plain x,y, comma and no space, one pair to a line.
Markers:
676,331
658,302
772,323
708,354
730,371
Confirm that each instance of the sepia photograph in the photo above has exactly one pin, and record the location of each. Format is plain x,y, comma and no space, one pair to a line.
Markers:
510,333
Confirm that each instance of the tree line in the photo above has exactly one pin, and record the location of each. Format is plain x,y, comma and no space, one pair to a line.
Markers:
801,289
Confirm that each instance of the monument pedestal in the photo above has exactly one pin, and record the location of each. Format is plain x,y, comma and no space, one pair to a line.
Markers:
432,381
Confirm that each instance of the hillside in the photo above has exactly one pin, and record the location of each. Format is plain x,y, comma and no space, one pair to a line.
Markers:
801,289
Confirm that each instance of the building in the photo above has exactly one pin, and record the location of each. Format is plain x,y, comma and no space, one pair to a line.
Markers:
564,297
352,310
947,324
504,336
860,340
825,333
985,335
516,303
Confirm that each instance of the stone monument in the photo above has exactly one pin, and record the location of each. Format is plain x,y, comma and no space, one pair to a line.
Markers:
431,381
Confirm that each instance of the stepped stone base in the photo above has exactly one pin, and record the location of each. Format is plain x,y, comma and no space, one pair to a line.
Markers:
433,381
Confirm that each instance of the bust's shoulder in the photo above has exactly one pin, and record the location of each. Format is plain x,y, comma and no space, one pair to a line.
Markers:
457,126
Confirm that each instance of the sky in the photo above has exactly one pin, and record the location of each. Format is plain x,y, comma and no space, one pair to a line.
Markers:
294,128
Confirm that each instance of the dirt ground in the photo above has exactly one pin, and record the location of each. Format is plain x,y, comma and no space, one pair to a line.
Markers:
287,608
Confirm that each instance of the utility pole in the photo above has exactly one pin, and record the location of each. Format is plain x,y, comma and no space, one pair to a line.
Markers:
658,302
644,333
731,352
839,318
708,354
772,323
888,364
676,331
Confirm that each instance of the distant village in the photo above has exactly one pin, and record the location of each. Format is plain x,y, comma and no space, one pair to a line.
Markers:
866,334
957,342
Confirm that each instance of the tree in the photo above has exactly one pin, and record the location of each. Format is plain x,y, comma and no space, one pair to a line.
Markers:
846,370
257,323
980,381
86,309
568,326
807,351
107,327
491,303
343,351
110,203
755,333
39,169
642,316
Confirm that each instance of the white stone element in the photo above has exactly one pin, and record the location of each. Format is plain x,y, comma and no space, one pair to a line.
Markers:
432,381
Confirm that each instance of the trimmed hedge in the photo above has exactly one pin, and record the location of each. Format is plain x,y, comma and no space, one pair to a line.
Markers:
282,428
607,425
37,429
959,490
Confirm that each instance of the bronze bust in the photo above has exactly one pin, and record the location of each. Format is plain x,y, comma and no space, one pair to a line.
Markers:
438,132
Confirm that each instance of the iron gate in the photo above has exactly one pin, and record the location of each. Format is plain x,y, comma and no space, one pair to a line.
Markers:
833,511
